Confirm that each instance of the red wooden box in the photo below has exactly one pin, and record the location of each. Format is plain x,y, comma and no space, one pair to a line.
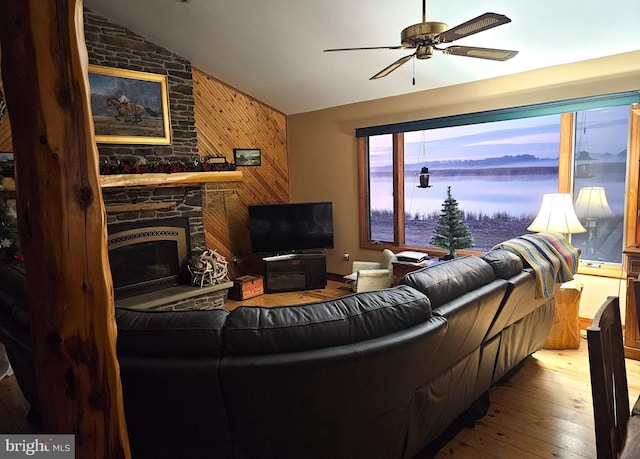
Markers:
245,287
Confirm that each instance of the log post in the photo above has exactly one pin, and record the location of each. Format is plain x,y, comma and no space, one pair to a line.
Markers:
62,224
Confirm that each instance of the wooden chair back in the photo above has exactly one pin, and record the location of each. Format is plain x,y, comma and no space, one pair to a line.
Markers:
608,379
636,297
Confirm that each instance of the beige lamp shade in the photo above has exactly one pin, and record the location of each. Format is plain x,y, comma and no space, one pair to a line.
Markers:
557,215
592,203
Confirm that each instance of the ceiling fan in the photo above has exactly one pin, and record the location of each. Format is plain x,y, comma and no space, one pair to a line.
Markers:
425,37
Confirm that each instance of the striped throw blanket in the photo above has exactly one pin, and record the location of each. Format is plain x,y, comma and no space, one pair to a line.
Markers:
551,256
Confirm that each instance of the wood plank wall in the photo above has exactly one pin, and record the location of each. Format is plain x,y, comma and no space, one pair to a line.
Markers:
225,119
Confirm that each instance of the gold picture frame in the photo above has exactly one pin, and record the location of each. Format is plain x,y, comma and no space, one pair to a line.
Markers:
129,107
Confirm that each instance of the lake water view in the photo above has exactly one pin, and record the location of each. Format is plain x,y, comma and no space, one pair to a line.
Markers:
498,204
494,213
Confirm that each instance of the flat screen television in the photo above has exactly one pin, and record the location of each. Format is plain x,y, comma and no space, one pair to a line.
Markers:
289,228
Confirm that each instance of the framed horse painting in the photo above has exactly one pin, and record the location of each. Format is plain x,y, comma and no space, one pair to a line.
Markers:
129,106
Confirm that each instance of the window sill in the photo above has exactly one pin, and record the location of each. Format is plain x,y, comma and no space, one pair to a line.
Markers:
604,270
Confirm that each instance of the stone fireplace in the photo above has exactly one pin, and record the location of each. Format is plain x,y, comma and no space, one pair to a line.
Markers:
148,278
152,233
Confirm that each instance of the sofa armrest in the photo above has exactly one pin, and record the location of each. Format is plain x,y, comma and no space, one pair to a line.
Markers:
360,265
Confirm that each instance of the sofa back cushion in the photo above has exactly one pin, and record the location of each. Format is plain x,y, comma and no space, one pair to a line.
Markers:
148,333
451,279
505,264
350,319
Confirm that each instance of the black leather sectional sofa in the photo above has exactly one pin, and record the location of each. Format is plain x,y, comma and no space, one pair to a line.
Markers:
370,375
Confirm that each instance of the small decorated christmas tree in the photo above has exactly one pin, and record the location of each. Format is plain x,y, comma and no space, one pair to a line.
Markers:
451,233
9,241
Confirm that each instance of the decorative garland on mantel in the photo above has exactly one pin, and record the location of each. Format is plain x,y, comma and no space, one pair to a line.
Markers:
142,166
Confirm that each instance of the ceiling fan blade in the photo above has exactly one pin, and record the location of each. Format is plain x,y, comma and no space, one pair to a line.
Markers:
483,22
358,49
482,53
387,70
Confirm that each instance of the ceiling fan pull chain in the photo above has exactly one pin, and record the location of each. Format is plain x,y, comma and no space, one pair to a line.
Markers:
414,72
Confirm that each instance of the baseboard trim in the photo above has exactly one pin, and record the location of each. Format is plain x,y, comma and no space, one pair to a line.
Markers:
335,277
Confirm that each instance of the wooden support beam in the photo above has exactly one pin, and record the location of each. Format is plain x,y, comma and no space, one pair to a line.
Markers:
61,219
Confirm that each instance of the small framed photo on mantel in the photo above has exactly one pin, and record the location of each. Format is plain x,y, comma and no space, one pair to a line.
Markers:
247,156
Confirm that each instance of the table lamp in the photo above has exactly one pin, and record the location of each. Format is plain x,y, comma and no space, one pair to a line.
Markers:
592,205
557,215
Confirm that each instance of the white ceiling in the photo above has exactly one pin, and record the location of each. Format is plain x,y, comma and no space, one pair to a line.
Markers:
272,50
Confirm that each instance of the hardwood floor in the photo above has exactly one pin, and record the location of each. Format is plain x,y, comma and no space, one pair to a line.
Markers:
334,290
543,411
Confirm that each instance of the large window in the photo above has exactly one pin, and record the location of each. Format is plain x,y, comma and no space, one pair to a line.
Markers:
498,167
599,181
380,166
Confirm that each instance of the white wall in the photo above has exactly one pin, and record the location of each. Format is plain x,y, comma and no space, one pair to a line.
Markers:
596,290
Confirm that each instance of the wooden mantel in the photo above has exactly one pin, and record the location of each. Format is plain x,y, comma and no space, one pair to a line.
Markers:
175,179
179,178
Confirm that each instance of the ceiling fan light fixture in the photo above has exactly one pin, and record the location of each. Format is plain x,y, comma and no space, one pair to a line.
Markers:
424,51
415,34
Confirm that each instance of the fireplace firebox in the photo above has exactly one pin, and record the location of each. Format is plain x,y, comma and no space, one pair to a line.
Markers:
146,256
